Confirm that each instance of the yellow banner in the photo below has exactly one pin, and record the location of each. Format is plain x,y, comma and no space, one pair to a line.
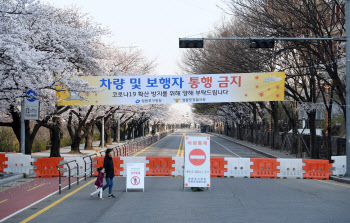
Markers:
200,88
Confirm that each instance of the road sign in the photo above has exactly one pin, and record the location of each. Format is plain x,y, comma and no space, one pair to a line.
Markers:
197,162
135,176
197,157
31,106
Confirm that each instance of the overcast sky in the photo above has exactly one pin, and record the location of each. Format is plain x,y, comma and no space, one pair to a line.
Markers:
154,26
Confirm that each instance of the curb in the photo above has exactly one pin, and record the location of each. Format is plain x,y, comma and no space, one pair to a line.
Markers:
247,146
340,179
12,178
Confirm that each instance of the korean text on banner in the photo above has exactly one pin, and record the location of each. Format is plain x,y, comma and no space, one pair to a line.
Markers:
197,162
135,178
200,88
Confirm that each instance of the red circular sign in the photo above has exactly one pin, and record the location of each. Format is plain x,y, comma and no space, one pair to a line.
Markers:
135,180
197,157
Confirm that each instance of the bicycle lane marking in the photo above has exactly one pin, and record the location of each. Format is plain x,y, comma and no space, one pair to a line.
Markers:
33,191
56,202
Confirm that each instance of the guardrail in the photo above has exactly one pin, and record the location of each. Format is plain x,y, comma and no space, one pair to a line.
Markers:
60,168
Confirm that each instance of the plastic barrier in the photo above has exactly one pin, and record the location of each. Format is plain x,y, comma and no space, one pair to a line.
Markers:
160,166
316,169
126,160
116,164
290,168
99,163
46,167
217,166
19,163
238,167
179,166
3,159
264,168
339,165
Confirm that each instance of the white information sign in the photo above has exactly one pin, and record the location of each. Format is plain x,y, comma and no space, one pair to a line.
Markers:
31,106
197,162
135,178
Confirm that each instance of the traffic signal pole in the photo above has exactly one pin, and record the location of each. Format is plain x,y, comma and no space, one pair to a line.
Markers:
184,42
347,28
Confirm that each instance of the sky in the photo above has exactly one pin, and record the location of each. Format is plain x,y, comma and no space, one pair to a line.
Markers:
153,26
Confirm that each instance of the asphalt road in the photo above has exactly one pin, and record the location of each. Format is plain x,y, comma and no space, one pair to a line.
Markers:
172,145
229,200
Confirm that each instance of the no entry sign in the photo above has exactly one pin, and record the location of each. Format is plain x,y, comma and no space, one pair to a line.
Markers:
197,157
197,162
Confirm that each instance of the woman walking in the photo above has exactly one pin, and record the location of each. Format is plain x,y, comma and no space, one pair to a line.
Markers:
109,170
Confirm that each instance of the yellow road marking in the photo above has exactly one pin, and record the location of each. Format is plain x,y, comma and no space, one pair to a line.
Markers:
148,147
3,201
36,187
183,146
333,183
16,185
178,151
56,202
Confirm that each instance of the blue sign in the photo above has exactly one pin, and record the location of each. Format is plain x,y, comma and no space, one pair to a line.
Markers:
31,95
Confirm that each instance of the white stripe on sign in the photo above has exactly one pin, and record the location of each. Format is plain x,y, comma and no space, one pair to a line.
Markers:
197,157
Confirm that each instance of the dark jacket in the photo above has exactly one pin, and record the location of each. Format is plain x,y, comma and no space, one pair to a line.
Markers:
99,180
108,165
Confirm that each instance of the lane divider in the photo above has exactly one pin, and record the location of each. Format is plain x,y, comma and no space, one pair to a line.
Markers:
36,187
332,183
178,151
183,146
3,201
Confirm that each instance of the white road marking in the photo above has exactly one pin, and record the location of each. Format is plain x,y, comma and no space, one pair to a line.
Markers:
225,148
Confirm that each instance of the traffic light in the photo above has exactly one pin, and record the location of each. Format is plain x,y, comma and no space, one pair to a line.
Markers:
191,43
262,43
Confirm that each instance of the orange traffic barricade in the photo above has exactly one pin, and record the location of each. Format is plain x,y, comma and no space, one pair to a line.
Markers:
264,168
3,158
217,166
160,166
47,167
99,163
116,165
316,169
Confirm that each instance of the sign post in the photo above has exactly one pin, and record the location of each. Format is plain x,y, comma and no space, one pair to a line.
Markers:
135,177
197,162
30,109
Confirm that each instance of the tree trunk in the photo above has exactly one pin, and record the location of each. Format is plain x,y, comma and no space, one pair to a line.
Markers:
55,139
108,133
89,133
